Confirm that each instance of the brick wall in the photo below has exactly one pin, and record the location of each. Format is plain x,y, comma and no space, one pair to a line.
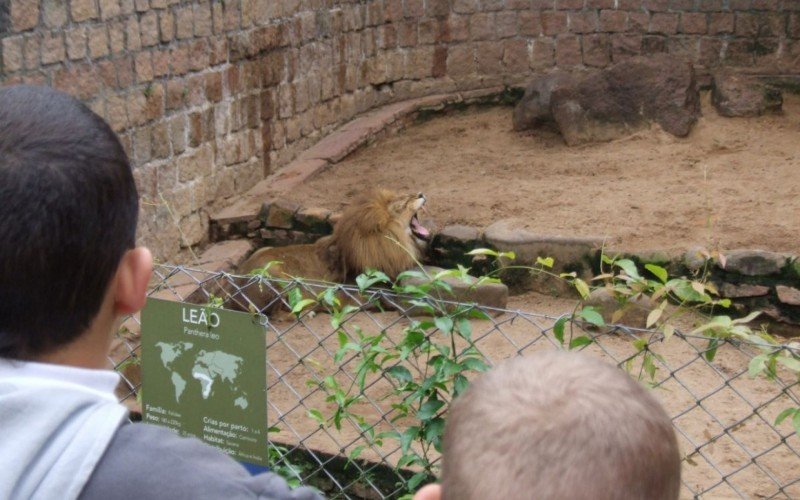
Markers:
209,96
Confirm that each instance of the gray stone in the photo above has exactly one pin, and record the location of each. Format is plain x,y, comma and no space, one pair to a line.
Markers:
788,295
243,210
281,214
487,294
600,105
276,237
514,235
777,315
732,291
735,94
660,257
628,96
533,109
753,262
569,254
695,258
633,312
459,233
233,252
314,219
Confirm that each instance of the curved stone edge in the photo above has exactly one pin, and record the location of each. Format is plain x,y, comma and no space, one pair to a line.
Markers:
753,279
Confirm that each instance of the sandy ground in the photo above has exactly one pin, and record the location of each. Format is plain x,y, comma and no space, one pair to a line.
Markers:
693,392
733,183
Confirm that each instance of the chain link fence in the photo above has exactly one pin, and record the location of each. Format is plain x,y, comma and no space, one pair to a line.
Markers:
724,418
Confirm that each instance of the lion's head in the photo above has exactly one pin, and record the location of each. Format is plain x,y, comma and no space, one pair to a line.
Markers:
381,231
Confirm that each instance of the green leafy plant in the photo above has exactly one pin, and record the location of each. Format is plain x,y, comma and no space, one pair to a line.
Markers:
440,345
279,463
700,296
440,349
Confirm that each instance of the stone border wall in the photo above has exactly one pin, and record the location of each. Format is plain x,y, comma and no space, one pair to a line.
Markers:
209,97
752,279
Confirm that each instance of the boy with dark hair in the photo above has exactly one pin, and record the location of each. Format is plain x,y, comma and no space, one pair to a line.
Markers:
69,271
557,425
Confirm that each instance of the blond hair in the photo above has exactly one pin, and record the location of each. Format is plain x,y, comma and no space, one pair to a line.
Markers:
562,426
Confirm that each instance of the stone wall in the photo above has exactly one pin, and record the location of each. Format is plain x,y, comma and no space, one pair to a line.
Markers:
210,96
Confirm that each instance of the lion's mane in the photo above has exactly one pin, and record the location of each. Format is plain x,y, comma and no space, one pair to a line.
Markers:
372,233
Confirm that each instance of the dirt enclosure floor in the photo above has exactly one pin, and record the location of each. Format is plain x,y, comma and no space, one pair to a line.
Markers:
722,417
733,183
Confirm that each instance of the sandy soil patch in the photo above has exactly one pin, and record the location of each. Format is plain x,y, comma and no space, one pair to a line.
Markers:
733,183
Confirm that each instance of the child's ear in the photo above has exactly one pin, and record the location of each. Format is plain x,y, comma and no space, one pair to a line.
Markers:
133,274
429,492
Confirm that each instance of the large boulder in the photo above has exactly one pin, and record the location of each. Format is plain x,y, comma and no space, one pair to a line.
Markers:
735,94
533,110
610,103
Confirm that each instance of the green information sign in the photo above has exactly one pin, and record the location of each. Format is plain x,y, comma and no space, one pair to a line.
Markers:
204,375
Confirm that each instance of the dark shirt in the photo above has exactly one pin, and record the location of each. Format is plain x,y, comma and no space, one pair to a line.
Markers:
149,462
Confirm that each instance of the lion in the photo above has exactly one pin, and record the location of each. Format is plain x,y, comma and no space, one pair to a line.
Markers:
381,230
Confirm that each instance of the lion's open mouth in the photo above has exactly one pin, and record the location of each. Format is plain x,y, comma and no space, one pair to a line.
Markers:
416,227
418,230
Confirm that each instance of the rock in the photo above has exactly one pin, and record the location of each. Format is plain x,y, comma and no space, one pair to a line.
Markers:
233,252
788,295
487,295
281,214
753,262
628,96
743,95
732,291
514,235
275,237
776,314
695,258
534,109
570,255
633,312
313,219
459,233
659,257
243,210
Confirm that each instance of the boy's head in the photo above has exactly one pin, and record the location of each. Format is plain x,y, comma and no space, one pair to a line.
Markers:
68,210
558,425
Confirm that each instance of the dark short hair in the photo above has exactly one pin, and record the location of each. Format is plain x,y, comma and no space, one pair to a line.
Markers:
559,424
68,210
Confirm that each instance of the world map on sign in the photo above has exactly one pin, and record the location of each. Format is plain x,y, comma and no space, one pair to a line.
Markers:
215,373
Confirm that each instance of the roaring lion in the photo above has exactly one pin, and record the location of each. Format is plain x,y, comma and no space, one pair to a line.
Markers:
381,230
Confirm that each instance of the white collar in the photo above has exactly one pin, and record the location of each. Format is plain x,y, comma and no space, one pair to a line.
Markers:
102,382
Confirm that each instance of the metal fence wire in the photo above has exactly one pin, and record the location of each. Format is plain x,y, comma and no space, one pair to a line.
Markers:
724,418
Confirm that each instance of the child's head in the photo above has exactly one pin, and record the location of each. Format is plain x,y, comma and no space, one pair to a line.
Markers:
558,425
68,210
